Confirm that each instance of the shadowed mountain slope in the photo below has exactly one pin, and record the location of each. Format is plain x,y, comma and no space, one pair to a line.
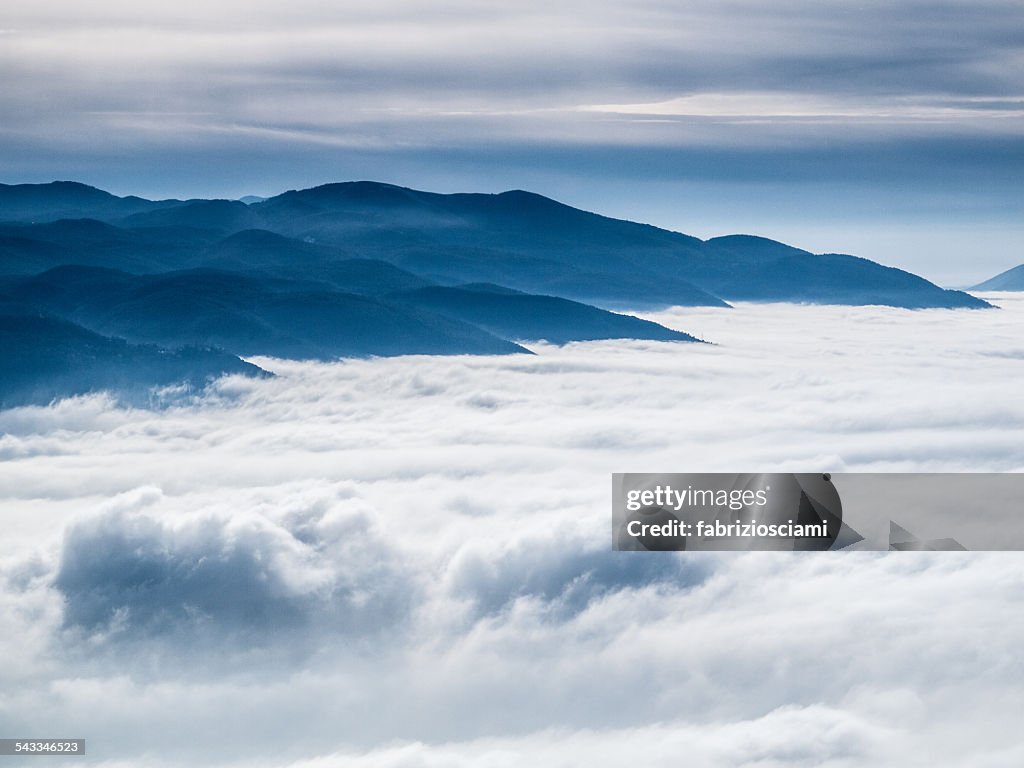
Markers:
245,314
28,249
515,315
68,200
273,254
46,358
777,272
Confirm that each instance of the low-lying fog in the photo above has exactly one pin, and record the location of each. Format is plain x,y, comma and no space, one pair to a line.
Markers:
406,561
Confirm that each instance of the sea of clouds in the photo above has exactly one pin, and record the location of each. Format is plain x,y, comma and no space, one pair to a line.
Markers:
405,562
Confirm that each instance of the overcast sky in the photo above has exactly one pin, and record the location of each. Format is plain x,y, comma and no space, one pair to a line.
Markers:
893,130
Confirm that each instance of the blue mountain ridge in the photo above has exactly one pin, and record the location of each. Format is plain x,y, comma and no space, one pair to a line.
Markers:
517,238
361,269
1010,280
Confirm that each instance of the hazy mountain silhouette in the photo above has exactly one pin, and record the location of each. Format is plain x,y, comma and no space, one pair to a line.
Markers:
46,358
220,216
246,314
515,315
258,314
517,238
20,255
68,200
530,242
1010,280
29,249
273,254
770,268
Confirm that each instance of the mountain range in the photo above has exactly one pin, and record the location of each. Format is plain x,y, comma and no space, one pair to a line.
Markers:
364,268
517,239
1010,280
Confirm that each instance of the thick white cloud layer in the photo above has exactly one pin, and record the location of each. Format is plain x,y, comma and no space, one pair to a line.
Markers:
405,562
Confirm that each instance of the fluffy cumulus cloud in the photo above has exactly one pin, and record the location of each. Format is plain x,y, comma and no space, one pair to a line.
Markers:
406,562
240,579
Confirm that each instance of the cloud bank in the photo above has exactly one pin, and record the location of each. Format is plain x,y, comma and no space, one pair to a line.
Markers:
406,561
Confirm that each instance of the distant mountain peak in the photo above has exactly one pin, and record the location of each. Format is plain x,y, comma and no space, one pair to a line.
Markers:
360,190
64,200
526,195
523,199
1010,280
756,244
55,190
67,184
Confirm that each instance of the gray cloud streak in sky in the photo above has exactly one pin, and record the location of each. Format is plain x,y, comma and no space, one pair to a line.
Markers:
686,115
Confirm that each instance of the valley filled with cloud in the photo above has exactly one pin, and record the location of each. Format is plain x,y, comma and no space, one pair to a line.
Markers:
406,562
